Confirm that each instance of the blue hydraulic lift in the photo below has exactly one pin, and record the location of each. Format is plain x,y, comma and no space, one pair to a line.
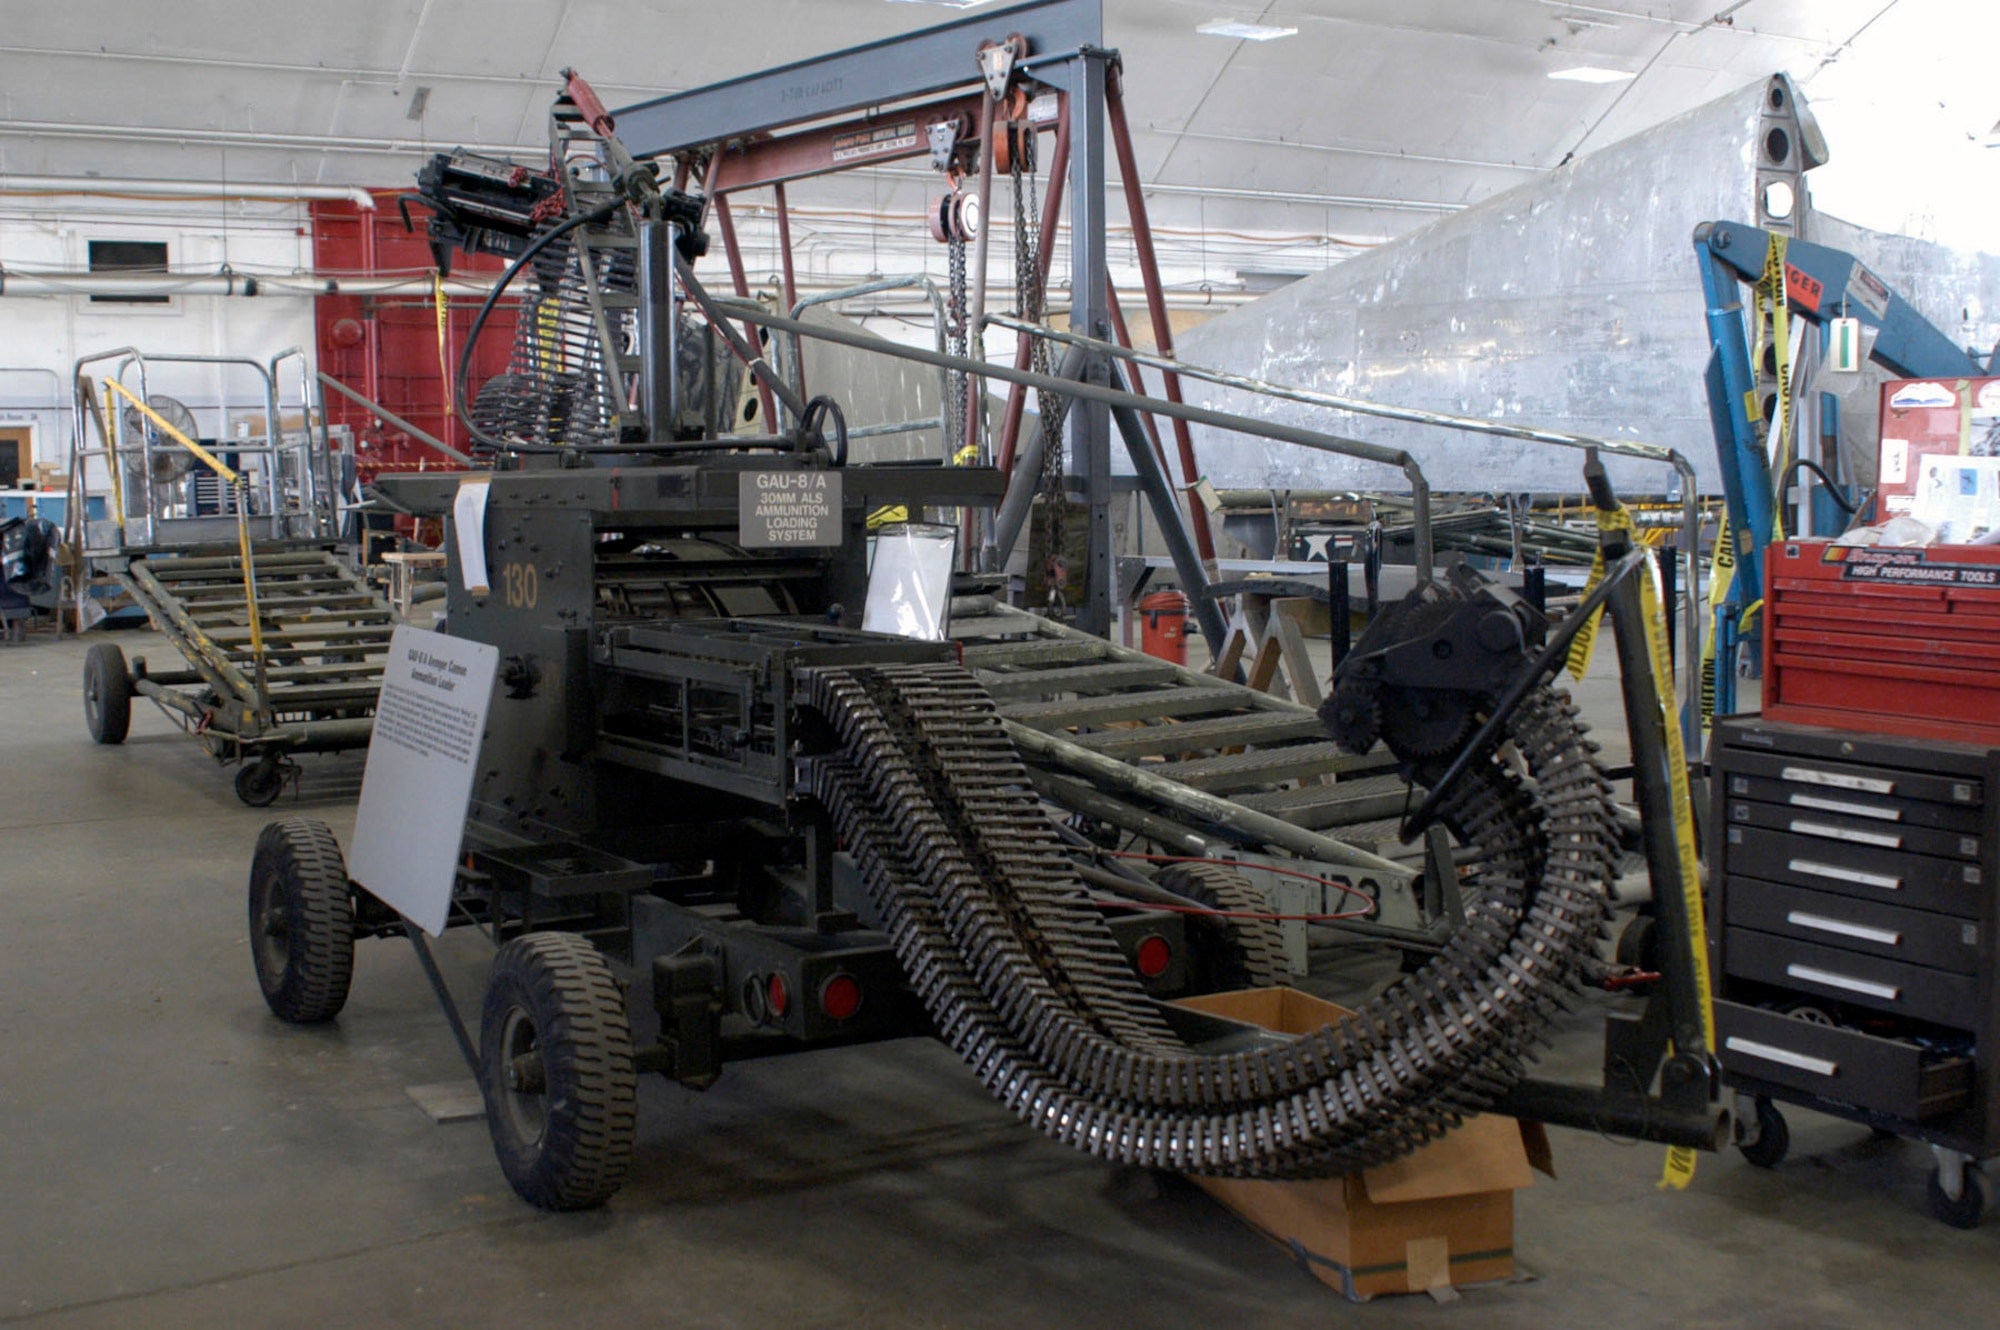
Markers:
1821,284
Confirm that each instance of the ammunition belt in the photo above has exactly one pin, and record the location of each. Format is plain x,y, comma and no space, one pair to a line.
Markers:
1022,977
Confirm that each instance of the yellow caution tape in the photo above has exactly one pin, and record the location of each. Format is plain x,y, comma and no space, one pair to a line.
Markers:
1773,303
439,299
1721,574
1679,1161
1585,642
1679,1170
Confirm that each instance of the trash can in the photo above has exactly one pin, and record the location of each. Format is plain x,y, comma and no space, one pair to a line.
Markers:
1163,626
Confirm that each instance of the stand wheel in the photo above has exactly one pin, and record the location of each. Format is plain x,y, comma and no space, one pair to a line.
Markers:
301,921
1964,1210
555,1057
107,694
1773,1140
260,783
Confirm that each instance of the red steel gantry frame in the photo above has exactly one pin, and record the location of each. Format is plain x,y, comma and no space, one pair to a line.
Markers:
876,104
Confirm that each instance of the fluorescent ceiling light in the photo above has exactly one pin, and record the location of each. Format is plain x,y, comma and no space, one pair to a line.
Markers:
948,4
1249,32
1591,74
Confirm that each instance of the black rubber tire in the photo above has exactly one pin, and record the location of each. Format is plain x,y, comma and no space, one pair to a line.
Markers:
565,1142
107,694
1774,1138
1969,1208
301,921
1228,954
259,783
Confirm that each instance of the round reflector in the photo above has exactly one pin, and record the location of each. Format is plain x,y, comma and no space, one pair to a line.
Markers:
777,995
1153,956
840,996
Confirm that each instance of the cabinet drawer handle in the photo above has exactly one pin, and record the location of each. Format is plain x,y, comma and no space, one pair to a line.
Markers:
1750,1048
1840,874
1812,975
1844,928
1842,806
1878,838
1839,780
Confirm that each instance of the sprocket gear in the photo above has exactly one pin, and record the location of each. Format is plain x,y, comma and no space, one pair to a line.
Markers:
1426,722
1353,715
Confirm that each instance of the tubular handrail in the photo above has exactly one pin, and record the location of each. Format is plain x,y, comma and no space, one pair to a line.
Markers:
869,288
292,489
1424,550
237,482
1645,452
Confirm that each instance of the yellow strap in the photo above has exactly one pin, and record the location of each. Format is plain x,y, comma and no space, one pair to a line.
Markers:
443,304
215,463
1679,1170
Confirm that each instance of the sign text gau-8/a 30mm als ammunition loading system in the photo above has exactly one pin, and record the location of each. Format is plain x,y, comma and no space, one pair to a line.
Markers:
788,833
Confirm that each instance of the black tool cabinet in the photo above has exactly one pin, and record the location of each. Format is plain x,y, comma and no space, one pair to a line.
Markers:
1851,913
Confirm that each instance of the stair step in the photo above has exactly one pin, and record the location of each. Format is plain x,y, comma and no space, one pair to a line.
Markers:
1153,705
1257,727
1096,678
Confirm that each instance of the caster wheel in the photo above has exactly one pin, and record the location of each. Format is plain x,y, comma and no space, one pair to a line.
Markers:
1773,1140
301,921
555,1056
260,783
107,694
1965,1209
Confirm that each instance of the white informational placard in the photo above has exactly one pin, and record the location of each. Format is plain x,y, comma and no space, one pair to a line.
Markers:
418,782
909,582
468,519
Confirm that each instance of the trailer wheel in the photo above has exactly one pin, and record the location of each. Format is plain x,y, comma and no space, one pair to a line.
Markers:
1228,954
259,783
555,1054
301,921
107,694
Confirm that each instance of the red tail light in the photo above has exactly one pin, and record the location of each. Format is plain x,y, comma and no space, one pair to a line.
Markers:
840,996
1153,956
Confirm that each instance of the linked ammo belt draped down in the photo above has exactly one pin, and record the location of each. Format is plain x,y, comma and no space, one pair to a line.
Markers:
999,937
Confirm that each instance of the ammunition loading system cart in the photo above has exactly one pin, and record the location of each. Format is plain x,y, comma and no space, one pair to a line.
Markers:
701,778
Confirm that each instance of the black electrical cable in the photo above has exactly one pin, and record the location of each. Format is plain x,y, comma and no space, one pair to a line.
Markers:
464,376
1833,491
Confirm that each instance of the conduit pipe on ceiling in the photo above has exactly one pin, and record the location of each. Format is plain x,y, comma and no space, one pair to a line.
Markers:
25,282
17,282
11,183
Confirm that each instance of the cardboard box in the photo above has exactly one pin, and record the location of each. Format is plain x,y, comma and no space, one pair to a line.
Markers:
1435,1219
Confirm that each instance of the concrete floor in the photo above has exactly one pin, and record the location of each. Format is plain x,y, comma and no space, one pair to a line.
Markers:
174,1156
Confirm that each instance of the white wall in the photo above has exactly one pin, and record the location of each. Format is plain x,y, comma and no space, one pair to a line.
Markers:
50,332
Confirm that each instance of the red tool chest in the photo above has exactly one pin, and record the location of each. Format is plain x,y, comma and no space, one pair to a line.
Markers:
1896,640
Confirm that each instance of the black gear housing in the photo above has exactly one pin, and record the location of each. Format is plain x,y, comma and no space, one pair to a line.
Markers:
1428,669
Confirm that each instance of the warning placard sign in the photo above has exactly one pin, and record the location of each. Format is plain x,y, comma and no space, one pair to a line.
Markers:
788,509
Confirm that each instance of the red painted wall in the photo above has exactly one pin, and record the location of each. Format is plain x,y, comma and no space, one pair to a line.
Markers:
386,347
